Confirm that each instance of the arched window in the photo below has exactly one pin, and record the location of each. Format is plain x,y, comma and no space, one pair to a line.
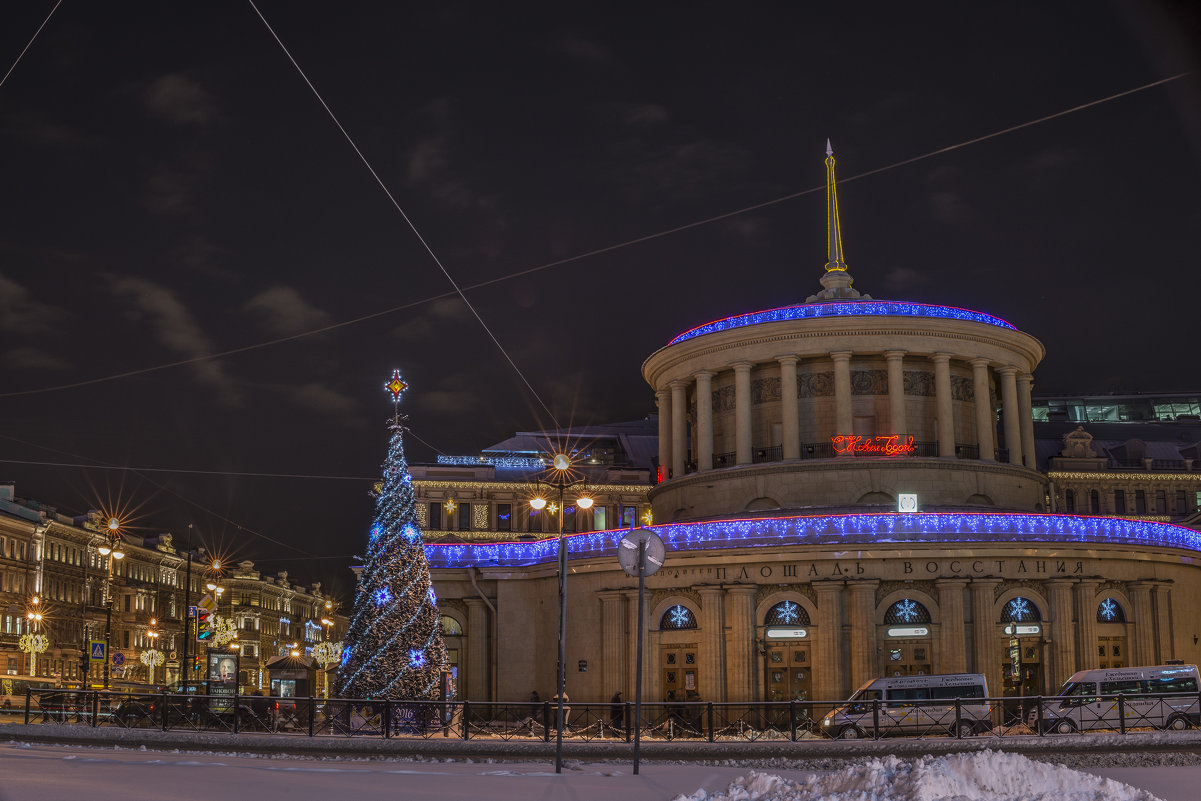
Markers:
907,611
1069,501
450,626
787,613
1020,610
678,617
1110,611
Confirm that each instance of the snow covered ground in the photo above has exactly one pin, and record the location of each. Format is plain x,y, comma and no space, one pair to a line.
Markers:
35,772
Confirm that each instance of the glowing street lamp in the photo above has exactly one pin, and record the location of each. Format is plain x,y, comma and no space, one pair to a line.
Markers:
33,642
560,478
152,657
111,547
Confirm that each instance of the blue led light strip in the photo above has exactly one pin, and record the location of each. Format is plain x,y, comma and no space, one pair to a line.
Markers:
865,308
841,530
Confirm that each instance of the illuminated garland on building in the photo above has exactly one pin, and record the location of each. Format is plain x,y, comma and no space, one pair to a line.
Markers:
499,462
838,530
858,308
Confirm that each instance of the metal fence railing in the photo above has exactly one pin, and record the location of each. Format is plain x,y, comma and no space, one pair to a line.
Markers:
675,721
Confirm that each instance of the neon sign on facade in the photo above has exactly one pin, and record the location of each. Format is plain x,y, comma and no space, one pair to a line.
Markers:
886,445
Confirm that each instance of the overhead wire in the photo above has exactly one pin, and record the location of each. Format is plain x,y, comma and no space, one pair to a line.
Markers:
458,292
30,43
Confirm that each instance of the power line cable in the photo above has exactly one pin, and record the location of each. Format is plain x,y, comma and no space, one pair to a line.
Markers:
457,290
30,43
580,256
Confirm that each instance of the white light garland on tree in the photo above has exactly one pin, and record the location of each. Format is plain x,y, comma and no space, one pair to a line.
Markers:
33,644
151,658
327,653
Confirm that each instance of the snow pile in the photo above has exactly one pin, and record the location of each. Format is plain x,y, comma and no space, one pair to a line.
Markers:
980,776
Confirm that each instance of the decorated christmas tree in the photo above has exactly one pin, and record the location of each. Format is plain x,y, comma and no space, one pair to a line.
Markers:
394,646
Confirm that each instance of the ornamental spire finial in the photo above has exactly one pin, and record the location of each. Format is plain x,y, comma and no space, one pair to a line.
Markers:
837,281
833,230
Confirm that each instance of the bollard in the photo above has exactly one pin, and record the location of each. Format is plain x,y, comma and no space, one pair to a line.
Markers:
875,718
386,719
1122,712
709,716
958,718
466,713
1039,716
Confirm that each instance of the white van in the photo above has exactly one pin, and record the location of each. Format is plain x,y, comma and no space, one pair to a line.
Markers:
1163,696
913,705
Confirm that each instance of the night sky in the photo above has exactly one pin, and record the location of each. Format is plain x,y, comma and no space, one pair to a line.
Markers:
173,189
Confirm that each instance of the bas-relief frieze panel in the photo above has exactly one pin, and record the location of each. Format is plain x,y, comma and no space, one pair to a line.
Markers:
869,382
765,390
723,399
694,597
768,590
815,385
885,588
1027,586
962,389
919,383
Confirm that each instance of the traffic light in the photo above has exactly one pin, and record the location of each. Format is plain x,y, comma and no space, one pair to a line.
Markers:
204,625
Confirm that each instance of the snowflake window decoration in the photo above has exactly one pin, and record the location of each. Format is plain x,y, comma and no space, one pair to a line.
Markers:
907,610
416,658
678,617
382,596
787,613
1110,611
1020,610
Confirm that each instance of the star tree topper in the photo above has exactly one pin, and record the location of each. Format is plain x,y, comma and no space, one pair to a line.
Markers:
396,386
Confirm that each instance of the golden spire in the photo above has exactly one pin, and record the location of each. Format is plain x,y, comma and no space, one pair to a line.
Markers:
834,232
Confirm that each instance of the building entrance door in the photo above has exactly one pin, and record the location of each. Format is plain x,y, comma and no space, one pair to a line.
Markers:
678,666
907,658
788,675
1111,652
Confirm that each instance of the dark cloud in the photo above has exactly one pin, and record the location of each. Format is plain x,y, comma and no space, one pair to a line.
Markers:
282,310
21,313
31,358
320,398
176,329
180,100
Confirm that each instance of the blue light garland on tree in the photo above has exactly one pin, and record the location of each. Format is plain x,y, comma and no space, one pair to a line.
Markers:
394,646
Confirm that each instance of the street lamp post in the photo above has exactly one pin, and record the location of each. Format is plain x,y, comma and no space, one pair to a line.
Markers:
152,656
33,642
112,549
560,477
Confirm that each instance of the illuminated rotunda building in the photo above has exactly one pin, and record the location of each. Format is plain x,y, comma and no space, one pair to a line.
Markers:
846,489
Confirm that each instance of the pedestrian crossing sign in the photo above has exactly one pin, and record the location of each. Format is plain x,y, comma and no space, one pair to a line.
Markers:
96,647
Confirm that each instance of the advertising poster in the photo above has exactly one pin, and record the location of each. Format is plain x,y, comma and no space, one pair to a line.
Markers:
222,680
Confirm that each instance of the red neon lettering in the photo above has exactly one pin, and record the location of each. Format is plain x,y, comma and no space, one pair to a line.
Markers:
885,445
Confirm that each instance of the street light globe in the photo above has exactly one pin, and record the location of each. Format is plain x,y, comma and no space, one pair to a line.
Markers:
212,586
584,502
104,550
118,554
114,524
538,503
561,462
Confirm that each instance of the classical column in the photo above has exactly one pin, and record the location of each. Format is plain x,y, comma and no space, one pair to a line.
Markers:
713,647
1010,413
663,400
613,644
896,391
1063,634
742,412
844,421
1144,623
1026,413
679,428
946,410
986,656
864,665
704,420
478,656
986,426
740,642
1163,622
952,632
1086,624
789,411
828,681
